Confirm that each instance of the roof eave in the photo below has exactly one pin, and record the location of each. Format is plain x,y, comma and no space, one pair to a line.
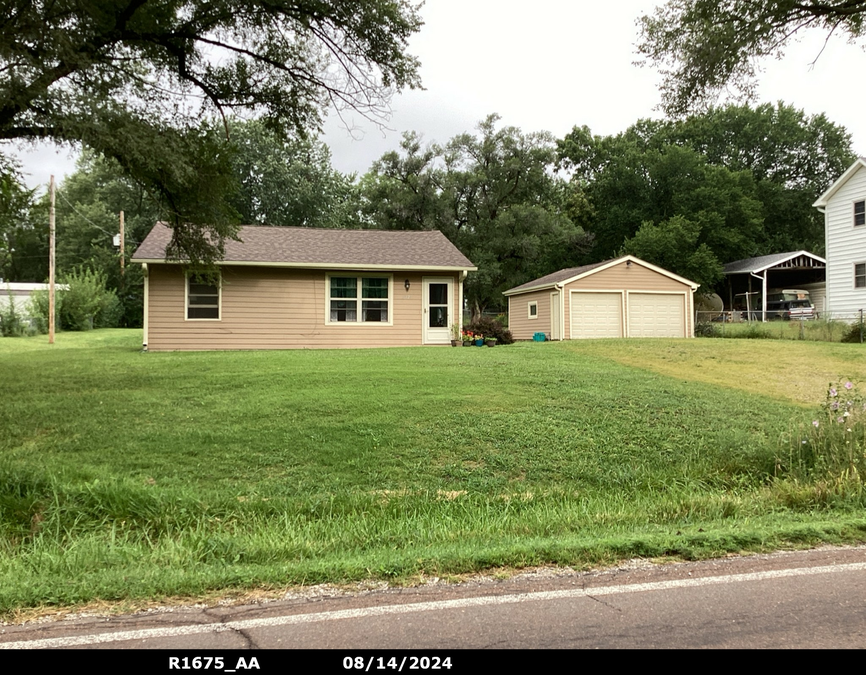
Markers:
541,287
323,266
607,265
834,188
756,270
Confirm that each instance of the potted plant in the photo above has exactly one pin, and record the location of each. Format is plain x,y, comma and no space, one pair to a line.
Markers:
468,338
455,335
479,340
490,342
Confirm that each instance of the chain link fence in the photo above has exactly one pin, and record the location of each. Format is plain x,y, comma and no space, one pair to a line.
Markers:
823,326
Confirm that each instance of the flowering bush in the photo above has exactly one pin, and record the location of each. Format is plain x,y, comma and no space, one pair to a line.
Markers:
835,441
487,327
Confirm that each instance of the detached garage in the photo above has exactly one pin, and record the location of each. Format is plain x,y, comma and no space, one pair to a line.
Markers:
624,297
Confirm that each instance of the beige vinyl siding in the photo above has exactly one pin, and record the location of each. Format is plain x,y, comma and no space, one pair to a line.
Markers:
634,277
519,323
273,308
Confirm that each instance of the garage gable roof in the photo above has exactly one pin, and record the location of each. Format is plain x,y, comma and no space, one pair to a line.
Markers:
566,276
321,247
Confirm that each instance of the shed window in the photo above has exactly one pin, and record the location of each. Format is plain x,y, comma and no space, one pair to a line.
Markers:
859,213
202,297
533,310
860,275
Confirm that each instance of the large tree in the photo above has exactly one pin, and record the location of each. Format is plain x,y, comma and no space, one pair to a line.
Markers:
288,181
493,194
705,47
792,157
631,179
15,203
135,80
742,178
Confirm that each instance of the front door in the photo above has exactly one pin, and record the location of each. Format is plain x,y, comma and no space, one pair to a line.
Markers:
438,301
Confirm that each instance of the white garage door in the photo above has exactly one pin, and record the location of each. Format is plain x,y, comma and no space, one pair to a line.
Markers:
596,315
656,315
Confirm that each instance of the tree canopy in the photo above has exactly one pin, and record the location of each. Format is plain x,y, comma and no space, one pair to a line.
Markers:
152,85
288,181
704,47
731,183
493,194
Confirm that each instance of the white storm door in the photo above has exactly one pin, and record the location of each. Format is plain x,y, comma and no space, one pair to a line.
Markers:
438,303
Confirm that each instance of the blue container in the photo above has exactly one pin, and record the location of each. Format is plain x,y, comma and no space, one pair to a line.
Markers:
539,337
479,343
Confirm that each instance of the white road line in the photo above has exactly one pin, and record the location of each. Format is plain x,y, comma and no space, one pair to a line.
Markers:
365,612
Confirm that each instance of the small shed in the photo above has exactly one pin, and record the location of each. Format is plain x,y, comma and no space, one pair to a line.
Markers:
622,297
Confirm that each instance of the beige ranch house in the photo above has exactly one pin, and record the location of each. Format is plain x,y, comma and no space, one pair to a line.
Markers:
623,297
293,287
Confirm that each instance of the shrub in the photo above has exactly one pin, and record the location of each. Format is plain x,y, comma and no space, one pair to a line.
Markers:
490,327
10,320
87,303
39,309
707,329
854,333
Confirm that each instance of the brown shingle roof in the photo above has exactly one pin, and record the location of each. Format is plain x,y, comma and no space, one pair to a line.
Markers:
320,247
561,275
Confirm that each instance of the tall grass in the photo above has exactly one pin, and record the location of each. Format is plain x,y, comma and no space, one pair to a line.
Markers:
818,330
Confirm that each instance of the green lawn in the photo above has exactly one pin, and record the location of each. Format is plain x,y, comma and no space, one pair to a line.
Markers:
129,475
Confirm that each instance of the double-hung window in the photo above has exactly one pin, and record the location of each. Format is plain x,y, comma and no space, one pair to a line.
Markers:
859,213
860,275
364,299
202,297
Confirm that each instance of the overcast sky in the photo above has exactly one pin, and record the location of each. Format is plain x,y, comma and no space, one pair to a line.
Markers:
559,65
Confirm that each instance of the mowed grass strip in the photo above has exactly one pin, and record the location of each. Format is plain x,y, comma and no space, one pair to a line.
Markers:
787,370
129,475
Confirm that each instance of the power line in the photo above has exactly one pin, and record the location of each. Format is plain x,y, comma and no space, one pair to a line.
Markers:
111,234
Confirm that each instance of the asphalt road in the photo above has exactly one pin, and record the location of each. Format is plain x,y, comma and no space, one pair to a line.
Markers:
808,599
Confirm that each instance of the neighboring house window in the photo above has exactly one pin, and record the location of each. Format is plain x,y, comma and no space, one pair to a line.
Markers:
371,292
202,298
860,275
533,310
859,213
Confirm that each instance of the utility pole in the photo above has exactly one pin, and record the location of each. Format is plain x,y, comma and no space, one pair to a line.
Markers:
122,261
51,266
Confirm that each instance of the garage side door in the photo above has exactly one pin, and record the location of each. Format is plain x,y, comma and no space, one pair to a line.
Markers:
596,315
656,315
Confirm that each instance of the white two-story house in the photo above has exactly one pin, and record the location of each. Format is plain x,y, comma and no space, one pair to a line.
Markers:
844,208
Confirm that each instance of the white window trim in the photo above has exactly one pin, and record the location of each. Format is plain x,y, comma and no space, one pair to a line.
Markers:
854,213
854,280
359,322
186,299
529,307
